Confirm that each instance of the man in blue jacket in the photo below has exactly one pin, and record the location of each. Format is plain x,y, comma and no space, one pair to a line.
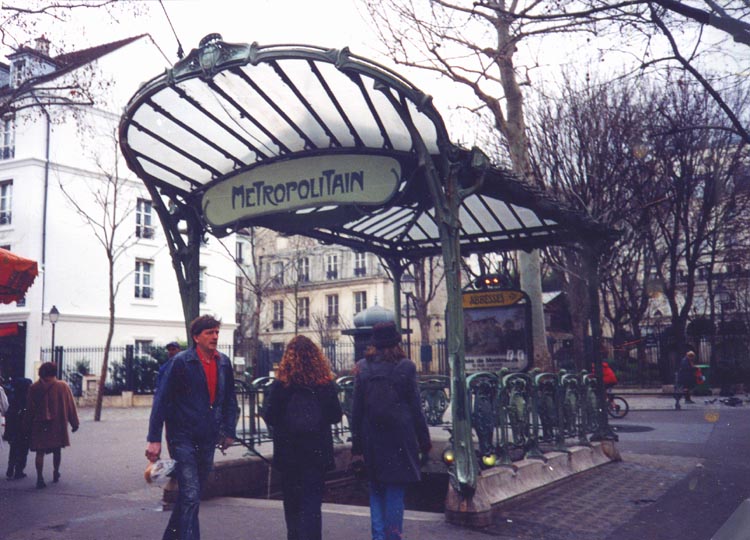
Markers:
196,401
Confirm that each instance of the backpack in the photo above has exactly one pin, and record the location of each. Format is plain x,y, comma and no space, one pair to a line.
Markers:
382,400
303,413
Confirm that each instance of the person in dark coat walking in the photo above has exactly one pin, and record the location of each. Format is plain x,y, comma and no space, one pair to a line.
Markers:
196,402
302,405
685,379
390,443
50,408
15,434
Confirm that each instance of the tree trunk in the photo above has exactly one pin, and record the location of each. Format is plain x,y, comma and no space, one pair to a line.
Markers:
531,283
108,343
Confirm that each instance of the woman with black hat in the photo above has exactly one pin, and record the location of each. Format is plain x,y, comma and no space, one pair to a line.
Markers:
388,428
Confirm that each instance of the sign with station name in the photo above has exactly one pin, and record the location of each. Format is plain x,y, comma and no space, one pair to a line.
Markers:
497,330
491,298
301,183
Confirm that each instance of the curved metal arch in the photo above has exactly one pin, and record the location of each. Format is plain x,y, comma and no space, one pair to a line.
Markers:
214,57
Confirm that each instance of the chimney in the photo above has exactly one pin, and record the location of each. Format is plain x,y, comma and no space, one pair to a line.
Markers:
42,45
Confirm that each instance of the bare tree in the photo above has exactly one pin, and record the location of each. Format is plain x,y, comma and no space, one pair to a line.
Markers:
695,156
583,149
252,287
428,276
53,78
473,45
106,207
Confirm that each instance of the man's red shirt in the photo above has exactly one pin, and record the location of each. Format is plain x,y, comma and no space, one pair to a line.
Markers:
211,371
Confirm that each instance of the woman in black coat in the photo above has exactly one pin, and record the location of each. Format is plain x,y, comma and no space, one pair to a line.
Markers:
303,403
388,428
15,434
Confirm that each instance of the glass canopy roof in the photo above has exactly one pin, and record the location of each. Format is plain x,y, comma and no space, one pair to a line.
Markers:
235,112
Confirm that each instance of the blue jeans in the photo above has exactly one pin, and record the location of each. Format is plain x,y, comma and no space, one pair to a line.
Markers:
386,510
194,462
303,497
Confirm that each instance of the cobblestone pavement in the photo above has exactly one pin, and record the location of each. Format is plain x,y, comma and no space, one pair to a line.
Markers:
692,459
592,504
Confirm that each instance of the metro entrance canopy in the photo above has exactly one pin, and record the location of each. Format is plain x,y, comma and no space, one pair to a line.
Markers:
231,118
330,145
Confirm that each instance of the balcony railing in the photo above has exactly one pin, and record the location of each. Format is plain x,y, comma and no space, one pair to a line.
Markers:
142,231
7,152
278,325
144,292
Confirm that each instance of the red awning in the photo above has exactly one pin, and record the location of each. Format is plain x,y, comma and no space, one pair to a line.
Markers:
8,329
16,276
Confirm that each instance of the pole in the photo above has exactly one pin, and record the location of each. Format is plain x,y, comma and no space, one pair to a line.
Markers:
59,366
408,324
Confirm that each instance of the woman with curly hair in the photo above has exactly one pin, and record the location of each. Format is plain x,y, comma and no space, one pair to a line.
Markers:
303,403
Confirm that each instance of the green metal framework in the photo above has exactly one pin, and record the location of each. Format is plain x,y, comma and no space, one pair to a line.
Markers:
232,108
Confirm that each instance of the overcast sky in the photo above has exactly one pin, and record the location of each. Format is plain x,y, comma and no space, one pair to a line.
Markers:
328,23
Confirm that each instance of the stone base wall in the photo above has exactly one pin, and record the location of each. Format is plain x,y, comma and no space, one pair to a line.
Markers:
499,484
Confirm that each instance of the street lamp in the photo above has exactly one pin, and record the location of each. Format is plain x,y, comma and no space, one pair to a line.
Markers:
54,316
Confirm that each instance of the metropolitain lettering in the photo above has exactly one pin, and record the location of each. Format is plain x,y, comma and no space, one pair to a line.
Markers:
328,183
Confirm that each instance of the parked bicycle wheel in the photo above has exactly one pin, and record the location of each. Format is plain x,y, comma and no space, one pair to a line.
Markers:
618,407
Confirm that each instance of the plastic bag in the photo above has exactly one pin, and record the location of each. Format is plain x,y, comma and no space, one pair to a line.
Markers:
159,470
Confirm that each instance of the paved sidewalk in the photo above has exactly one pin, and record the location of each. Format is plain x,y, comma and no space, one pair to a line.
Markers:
654,401
102,494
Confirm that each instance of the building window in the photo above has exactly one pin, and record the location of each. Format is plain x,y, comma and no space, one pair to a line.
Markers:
239,289
360,301
332,313
303,269
19,70
303,312
332,266
278,274
144,225
143,348
277,352
8,141
238,249
202,284
6,199
144,278
360,268
278,314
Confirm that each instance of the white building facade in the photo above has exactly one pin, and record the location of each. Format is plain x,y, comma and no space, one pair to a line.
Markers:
56,163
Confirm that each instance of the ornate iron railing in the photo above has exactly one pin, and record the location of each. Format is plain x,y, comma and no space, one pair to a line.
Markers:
517,414
514,415
252,430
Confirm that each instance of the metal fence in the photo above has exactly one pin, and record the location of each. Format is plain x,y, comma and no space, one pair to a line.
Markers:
126,370
430,359
653,360
514,415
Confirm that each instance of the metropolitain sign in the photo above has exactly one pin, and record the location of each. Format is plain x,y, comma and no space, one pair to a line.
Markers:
302,183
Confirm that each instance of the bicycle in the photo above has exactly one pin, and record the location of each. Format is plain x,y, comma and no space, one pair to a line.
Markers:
617,407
